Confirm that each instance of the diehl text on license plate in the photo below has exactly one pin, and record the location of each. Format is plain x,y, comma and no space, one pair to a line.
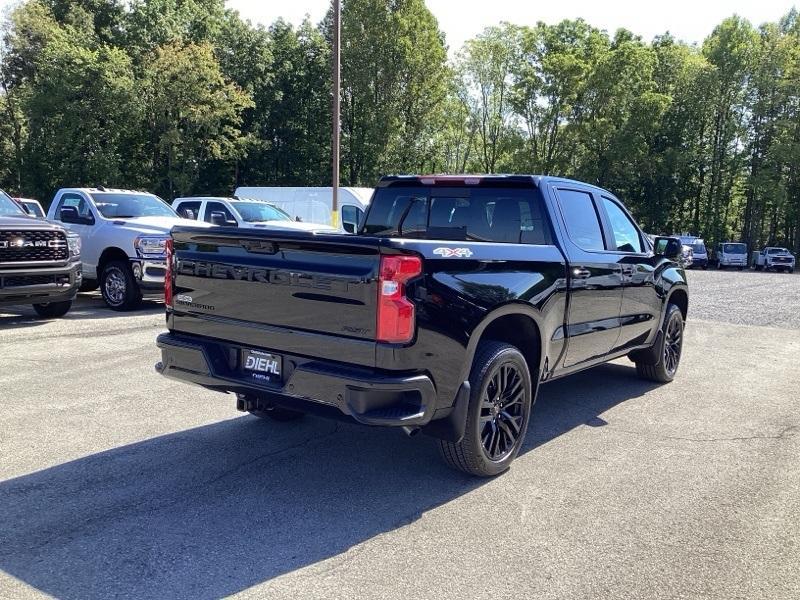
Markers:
262,366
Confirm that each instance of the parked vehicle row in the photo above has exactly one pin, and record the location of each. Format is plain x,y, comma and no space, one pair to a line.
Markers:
456,298
39,261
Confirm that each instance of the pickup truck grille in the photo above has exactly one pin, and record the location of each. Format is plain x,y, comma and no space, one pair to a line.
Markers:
15,281
782,259
33,246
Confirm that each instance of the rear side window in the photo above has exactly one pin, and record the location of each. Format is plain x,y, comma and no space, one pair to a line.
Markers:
510,216
580,216
189,210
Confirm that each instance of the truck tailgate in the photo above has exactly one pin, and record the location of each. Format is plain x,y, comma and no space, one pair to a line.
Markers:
288,291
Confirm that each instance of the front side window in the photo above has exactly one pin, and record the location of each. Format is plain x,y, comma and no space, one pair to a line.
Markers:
77,202
580,216
217,210
129,206
626,235
351,216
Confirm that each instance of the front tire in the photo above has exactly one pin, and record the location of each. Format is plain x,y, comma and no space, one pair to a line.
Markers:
501,397
53,310
119,287
662,364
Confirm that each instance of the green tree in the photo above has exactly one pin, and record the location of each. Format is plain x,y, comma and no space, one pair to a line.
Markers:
192,114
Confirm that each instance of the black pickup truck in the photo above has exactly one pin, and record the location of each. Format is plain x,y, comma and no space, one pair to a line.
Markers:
457,297
39,262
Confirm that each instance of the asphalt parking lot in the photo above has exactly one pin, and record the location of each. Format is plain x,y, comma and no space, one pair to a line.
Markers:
115,482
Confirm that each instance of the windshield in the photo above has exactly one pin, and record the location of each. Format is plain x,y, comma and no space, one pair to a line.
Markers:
734,248
8,207
777,251
128,206
699,248
254,212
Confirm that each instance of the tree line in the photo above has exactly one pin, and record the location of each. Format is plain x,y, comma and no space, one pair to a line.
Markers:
183,97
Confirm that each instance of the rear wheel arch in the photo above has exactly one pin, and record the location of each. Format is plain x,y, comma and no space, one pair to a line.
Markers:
515,325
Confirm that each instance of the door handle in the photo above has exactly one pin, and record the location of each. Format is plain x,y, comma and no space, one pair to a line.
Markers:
581,273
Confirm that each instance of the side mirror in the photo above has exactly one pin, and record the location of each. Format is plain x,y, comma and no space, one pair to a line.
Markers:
69,214
218,218
669,248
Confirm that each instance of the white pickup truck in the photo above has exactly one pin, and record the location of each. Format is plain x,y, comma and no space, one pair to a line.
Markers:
240,212
773,257
123,235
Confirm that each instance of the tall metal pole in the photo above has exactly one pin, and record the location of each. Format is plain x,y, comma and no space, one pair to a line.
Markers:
337,30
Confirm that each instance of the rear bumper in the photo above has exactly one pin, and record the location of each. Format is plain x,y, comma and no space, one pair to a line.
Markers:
369,396
39,286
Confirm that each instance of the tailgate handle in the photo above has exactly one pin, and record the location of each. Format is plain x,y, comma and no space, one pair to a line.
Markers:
259,246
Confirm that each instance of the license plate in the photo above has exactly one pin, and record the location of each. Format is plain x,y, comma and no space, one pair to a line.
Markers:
262,366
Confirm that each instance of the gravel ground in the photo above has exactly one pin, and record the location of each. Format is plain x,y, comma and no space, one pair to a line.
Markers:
745,297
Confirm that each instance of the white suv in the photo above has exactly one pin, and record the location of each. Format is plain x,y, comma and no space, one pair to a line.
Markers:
123,234
240,212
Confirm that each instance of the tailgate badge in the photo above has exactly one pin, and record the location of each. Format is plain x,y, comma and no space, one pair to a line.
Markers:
450,252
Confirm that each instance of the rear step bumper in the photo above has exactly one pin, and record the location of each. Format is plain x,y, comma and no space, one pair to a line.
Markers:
369,396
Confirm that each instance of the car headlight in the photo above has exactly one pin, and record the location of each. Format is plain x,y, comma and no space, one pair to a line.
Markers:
151,246
74,243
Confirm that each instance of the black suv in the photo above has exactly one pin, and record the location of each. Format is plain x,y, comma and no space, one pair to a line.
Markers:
39,262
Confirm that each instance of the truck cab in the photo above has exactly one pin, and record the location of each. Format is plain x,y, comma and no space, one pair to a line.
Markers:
241,212
731,254
123,234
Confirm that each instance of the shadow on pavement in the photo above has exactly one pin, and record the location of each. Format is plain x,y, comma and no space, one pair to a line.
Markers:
86,306
211,511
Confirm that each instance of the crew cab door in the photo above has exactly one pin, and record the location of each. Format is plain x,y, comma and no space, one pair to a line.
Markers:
641,305
86,226
594,278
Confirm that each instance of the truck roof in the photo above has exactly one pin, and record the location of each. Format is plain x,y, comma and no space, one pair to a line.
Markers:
102,190
477,179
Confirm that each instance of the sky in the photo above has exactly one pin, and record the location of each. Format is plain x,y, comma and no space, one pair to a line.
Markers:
688,20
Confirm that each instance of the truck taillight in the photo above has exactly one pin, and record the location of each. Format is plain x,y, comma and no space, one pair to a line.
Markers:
395,311
169,252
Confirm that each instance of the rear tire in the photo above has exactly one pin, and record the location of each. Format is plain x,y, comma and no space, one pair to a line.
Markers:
662,364
53,310
118,286
501,397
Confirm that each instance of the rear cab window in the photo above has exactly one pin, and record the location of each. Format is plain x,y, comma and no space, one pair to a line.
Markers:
501,215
